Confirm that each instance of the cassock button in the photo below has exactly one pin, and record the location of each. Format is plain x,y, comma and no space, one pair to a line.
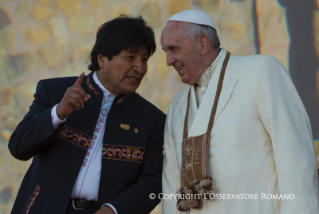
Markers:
216,189
211,151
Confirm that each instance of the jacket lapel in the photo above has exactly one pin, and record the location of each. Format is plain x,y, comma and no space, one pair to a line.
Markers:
94,104
225,96
200,122
192,106
183,104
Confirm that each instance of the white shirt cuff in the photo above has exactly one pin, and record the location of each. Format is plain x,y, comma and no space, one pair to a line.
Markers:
55,119
110,205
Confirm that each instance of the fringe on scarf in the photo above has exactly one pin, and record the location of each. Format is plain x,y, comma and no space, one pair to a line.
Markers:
192,196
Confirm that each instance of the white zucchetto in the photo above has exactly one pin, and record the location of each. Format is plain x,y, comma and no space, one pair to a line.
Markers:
193,16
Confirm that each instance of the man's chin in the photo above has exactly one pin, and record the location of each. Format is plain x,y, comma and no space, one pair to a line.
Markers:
185,80
129,91
188,82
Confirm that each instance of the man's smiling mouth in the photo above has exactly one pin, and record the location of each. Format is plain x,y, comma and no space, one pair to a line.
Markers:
179,68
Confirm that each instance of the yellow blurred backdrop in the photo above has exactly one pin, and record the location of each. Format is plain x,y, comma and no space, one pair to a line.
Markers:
53,38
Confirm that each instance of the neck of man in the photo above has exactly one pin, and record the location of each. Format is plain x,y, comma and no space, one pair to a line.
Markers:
207,60
105,85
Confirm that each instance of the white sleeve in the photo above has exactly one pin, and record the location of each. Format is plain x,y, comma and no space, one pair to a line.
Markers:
110,205
171,180
56,121
286,121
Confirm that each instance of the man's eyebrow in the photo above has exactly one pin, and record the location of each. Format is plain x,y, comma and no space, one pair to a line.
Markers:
170,47
136,51
131,51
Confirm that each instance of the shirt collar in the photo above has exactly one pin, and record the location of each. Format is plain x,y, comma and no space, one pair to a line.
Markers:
106,93
204,78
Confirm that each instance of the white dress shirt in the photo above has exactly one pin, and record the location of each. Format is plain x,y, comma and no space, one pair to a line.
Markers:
202,82
88,180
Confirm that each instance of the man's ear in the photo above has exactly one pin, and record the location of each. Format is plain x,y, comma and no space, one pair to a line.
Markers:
100,60
204,44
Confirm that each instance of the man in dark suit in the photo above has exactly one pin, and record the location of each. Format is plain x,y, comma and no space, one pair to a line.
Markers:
96,144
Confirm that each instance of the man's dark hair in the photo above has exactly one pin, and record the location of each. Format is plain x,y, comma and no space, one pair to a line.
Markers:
122,33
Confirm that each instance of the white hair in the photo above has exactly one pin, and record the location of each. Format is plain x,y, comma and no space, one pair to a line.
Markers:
193,31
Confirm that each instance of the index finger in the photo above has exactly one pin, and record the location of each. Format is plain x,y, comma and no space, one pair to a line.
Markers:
79,80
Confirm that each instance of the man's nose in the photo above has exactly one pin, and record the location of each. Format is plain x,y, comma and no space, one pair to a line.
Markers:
169,59
139,66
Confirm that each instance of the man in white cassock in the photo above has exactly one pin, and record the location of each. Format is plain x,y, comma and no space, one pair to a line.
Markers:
244,146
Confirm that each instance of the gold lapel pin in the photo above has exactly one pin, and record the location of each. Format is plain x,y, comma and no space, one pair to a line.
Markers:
125,126
136,130
121,100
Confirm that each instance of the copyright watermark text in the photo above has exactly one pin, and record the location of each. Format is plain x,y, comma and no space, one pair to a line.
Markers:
214,196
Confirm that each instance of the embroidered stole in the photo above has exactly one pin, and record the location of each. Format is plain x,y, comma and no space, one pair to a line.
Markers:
195,181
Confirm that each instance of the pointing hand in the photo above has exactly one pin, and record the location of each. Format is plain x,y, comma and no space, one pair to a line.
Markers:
74,99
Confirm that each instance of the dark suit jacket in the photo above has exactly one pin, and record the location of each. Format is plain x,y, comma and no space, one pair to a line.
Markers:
131,159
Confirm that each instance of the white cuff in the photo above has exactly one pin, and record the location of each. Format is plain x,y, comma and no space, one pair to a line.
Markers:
110,205
55,119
